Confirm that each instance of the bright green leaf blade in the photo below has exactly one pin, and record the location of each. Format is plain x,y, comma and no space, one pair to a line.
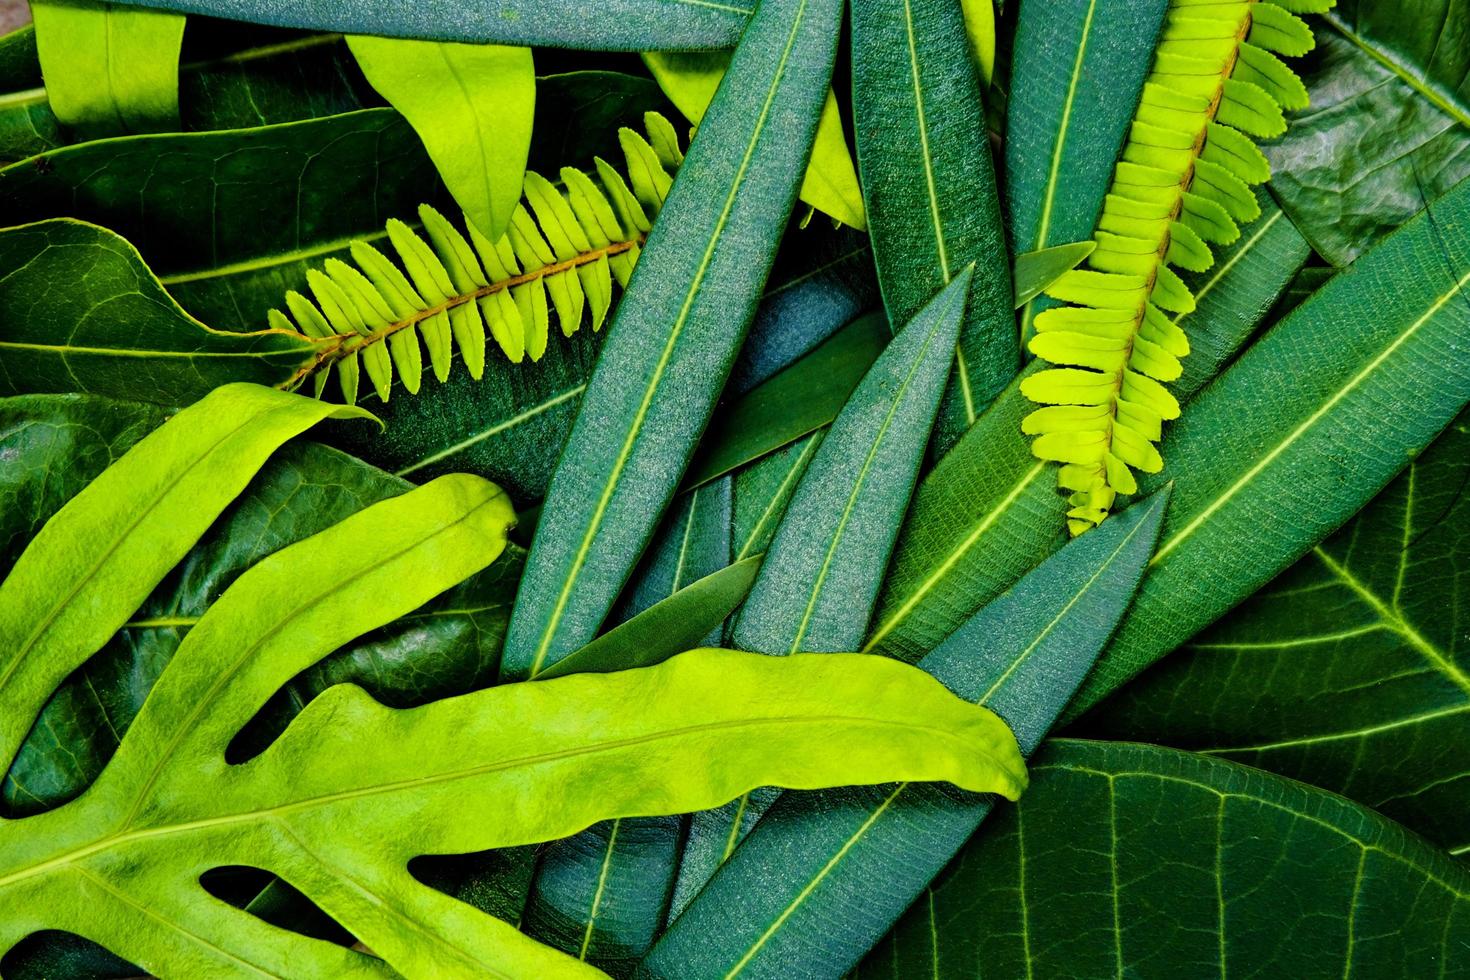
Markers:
620,25
1034,271
930,188
1389,371
109,69
675,334
818,584
472,105
824,875
114,330
1138,860
1351,670
88,570
1076,74
798,400
690,78
1388,127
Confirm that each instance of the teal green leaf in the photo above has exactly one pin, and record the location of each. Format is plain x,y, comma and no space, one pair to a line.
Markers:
690,78
1034,271
930,189
93,565
1389,371
79,311
109,69
824,875
762,491
801,398
1134,860
1389,123
602,895
472,105
676,332
620,25
1351,670
817,586
1076,74
671,625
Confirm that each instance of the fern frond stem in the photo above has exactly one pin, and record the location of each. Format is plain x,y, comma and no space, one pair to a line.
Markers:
343,345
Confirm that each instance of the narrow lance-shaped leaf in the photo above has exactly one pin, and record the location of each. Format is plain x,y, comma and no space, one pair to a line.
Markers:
79,311
620,25
109,69
602,895
472,105
1034,271
111,544
675,335
930,188
1076,74
823,875
1135,860
690,78
1390,369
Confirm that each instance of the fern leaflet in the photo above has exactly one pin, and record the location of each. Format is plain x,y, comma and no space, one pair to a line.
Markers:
1184,181
565,247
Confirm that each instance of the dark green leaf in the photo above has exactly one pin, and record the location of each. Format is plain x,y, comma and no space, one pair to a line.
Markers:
1135,861
800,399
762,491
823,875
929,186
1034,271
620,25
1351,670
79,312
1389,124
1076,74
676,333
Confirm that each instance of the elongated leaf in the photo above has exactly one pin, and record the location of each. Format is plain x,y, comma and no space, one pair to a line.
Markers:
1389,124
676,331
1350,670
76,584
602,895
817,586
620,25
690,78
980,517
109,69
472,105
930,189
762,491
823,875
1135,860
1389,372
1034,271
1076,74
798,400
80,312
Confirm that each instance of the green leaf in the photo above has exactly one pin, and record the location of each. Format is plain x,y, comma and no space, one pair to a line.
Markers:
803,397
100,557
930,188
109,68
1076,74
1351,670
1389,123
823,875
690,78
80,312
620,25
1277,458
762,491
676,332
472,105
818,584
1034,271
1133,860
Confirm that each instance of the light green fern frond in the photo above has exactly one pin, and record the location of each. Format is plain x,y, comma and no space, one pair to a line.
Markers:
1183,183
566,245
